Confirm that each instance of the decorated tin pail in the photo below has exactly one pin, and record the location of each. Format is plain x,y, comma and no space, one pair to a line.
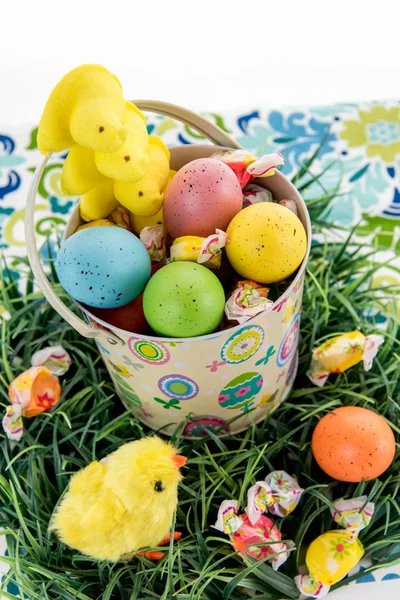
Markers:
240,374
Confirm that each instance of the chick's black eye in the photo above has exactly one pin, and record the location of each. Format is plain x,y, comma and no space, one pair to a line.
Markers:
159,486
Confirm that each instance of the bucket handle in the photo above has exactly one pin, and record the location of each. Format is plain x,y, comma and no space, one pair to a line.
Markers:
200,124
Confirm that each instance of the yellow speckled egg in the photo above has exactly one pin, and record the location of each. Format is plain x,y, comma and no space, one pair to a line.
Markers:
267,242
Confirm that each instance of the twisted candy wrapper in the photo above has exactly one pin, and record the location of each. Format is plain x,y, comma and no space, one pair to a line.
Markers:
253,533
333,554
290,204
247,300
31,393
279,494
206,251
120,217
342,352
247,166
153,239
54,358
253,193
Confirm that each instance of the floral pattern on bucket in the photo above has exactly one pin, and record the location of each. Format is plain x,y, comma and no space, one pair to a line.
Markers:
243,345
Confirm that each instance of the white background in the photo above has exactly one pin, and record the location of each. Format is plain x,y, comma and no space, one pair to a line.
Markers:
206,54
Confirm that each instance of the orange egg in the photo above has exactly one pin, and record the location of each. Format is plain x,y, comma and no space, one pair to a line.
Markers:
353,443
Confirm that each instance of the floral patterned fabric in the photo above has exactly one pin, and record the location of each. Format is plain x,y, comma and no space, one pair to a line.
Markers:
360,158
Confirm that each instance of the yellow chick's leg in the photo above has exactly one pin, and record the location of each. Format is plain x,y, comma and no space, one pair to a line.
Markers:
156,554
99,202
79,173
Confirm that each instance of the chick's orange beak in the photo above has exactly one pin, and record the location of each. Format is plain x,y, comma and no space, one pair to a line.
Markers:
179,460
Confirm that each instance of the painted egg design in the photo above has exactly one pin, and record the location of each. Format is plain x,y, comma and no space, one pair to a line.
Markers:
200,426
104,267
241,392
203,195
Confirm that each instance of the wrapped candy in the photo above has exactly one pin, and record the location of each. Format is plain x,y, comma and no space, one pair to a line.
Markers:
120,217
54,358
154,240
279,494
247,166
247,300
333,554
253,533
205,251
31,393
254,193
342,352
290,204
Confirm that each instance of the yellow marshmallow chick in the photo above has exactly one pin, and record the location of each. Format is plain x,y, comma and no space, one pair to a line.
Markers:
138,223
86,107
131,161
80,177
145,197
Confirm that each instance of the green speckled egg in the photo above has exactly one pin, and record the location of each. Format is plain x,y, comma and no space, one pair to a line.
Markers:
267,242
183,299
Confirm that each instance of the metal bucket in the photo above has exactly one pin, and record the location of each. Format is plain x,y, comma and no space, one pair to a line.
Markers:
240,374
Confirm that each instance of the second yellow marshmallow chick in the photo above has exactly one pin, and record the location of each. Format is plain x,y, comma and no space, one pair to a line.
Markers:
145,197
80,177
131,161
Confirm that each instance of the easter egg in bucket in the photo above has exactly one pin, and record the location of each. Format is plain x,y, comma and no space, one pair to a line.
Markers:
184,299
241,392
104,267
203,195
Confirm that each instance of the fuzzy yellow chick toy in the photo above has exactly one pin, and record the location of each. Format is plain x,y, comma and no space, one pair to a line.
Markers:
145,197
86,107
123,503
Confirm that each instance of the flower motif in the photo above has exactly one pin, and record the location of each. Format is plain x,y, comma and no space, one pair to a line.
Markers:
339,548
45,401
24,383
378,129
224,397
352,348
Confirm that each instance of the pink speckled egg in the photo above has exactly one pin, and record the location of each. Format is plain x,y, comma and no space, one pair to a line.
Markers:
203,195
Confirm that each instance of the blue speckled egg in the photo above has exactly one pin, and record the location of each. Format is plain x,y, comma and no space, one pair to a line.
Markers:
104,267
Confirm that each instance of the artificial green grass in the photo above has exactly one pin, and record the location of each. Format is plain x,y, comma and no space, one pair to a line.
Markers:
89,422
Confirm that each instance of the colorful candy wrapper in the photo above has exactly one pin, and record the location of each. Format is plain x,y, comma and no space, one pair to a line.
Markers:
253,193
279,495
120,217
290,204
253,533
247,166
342,352
54,358
31,393
154,240
247,300
333,554
205,251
